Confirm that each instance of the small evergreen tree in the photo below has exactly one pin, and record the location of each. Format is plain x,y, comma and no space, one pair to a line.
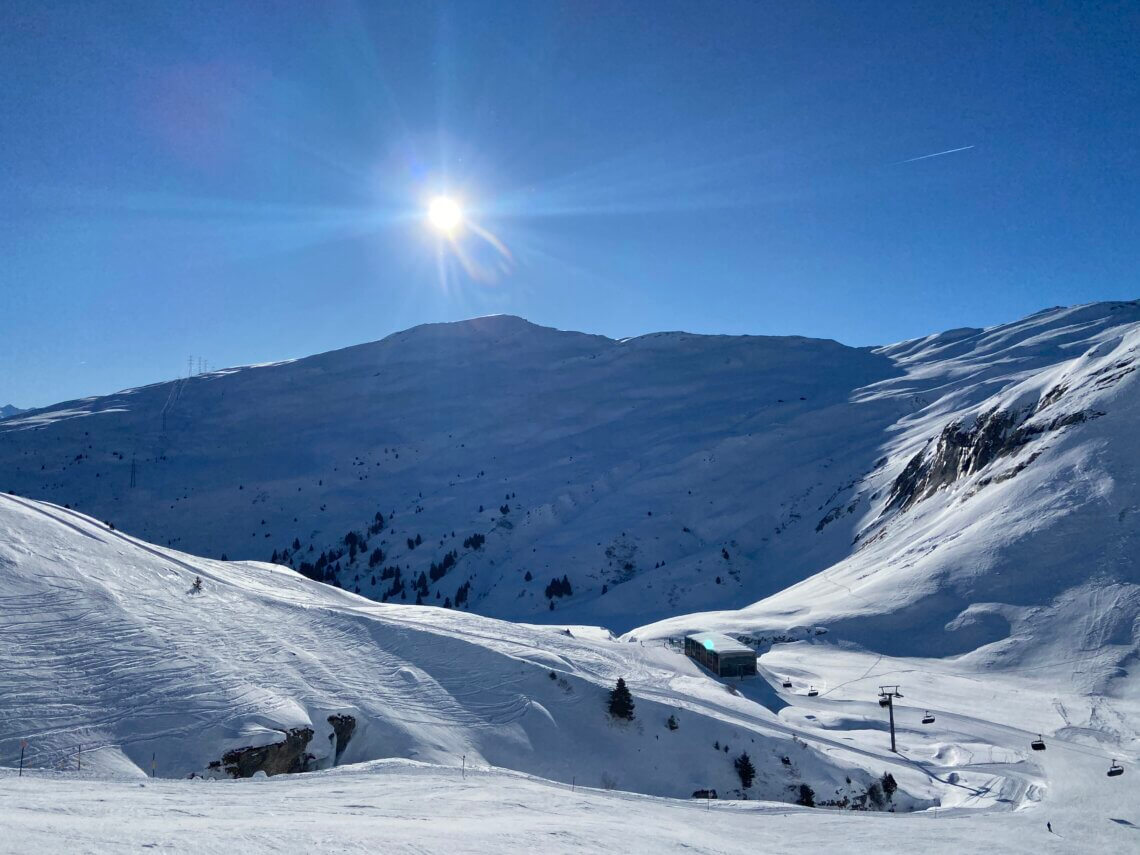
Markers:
807,796
671,722
745,770
621,701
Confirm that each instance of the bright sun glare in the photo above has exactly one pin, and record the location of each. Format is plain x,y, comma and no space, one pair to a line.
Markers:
444,214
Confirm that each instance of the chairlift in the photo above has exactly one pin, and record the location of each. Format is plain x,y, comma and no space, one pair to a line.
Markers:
884,700
812,691
1038,744
928,718
1115,770
787,683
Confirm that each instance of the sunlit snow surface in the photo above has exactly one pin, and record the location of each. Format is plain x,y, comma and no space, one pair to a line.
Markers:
1004,603
105,646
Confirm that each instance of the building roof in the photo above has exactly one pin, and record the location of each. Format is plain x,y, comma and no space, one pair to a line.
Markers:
719,643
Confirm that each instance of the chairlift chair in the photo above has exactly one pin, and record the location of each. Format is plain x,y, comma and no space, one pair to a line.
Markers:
1038,744
928,718
1115,770
787,683
884,700
812,691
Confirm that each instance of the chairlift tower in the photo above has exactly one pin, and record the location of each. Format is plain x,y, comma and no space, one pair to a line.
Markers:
887,695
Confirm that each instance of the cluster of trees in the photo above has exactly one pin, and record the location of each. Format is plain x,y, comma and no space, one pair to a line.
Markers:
438,571
414,542
462,594
397,586
355,543
474,541
558,588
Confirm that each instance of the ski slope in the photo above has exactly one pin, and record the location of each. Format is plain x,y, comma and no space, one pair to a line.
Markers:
105,647
402,806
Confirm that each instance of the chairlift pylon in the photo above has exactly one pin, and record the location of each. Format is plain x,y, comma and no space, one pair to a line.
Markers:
1038,744
928,718
1115,769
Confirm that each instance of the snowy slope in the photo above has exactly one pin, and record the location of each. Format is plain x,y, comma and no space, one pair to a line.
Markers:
610,458
104,645
937,495
406,808
1001,530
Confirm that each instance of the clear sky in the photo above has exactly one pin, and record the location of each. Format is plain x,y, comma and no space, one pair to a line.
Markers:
246,182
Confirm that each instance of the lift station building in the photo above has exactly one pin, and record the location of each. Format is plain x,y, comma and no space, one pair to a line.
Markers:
724,656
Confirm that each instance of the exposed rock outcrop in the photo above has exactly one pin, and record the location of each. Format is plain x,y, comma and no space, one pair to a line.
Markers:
961,451
280,757
343,726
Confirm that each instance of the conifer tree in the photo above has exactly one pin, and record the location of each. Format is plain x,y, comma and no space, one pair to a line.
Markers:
621,701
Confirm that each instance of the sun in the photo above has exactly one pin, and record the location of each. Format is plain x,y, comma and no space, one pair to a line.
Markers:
444,214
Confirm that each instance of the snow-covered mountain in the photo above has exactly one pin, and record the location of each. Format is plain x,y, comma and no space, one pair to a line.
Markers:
8,410
957,490
1001,522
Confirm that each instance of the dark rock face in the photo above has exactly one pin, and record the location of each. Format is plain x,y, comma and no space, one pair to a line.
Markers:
343,727
278,758
962,451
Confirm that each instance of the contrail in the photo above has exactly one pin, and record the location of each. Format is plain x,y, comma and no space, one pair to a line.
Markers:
936,154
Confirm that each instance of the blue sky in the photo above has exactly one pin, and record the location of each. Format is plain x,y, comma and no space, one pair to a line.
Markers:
245,183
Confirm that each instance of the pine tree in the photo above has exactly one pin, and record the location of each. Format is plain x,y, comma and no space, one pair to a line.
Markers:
621,701
745,770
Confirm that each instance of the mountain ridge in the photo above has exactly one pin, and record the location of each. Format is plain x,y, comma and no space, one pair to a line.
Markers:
661,475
